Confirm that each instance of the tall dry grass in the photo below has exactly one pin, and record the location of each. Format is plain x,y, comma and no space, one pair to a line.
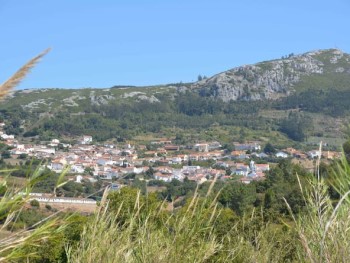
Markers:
321,234
190,235
324,230
14,80
14,247
147,235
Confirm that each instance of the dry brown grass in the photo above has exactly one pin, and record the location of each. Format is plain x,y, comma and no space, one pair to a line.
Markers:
12,82
80,208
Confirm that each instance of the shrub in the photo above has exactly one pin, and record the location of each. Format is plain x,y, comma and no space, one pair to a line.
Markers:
34,203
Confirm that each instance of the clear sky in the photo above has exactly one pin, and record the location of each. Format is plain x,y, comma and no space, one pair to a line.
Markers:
103,43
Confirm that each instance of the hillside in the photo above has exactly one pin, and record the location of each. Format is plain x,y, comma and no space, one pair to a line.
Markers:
261,99
281,77
322,70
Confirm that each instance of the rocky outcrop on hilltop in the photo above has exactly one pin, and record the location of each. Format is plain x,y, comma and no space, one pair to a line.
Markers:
272,79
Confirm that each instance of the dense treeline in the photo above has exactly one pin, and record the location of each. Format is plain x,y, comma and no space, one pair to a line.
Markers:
125,120
332,102
296,126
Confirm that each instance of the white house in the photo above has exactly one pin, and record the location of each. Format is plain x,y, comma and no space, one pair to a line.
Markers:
87,139
201,147
55,141
214,145
191,168
56,166
281,155
78,179
253,146
314,154
77,168
176,160
241,169
166,177
7,137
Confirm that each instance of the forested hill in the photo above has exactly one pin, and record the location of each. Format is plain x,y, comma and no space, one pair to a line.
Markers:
314,82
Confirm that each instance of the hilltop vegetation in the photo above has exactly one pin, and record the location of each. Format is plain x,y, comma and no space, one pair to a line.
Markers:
124,120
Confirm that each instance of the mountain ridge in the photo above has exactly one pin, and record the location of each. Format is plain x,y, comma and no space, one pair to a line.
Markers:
325,70
272,79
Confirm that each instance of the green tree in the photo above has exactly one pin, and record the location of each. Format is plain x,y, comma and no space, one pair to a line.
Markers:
150,172
282,184
269,149
296,126
239,197
23,156
6,154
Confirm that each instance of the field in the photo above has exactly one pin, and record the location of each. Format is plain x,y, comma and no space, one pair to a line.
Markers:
66,207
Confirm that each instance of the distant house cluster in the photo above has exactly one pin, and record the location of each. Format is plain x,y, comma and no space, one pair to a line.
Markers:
169,161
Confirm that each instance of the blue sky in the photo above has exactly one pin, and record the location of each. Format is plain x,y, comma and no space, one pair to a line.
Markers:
133,42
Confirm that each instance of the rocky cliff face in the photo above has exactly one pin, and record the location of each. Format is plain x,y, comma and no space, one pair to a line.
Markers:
272,79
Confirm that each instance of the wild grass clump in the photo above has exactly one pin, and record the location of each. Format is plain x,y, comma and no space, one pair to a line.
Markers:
139,229
143,232
20,244
133,228
324,229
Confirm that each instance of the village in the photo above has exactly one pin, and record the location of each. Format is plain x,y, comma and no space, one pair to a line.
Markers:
165,161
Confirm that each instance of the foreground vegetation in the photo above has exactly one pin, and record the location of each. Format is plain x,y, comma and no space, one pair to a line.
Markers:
292,216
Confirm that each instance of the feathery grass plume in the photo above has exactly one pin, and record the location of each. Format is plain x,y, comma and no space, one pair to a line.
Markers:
13,81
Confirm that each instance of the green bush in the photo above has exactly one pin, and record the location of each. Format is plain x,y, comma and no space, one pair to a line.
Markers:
34,203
